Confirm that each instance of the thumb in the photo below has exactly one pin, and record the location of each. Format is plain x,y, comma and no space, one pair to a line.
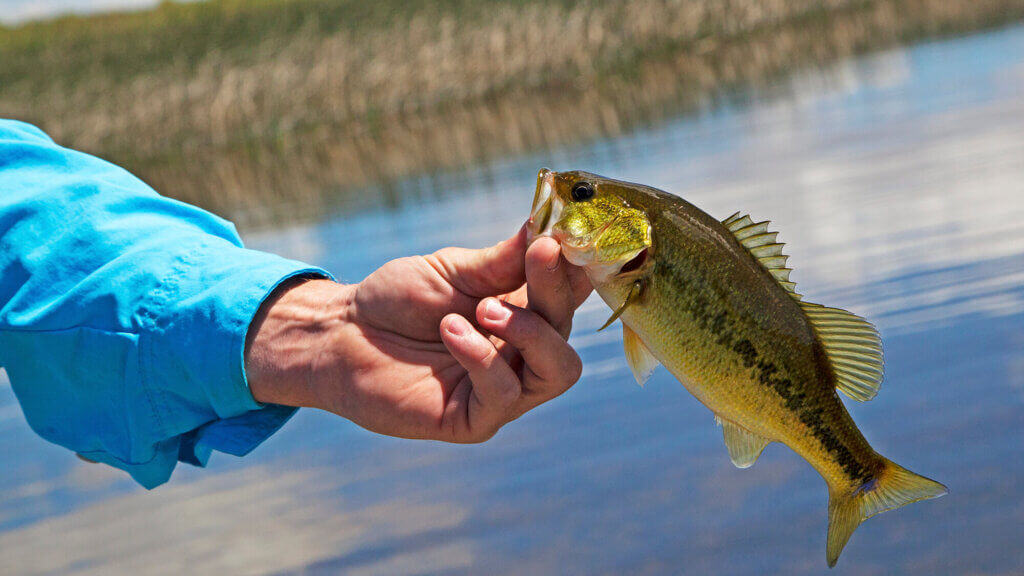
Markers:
487,271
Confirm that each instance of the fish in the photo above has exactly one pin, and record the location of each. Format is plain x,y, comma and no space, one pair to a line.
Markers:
713,302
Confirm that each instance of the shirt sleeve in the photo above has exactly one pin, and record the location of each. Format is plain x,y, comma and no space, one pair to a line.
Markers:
123,314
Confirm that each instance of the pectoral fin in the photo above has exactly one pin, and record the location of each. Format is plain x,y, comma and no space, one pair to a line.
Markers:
744,446
634,294
639,358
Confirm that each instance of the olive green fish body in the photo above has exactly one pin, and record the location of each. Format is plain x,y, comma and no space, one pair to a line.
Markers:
741,345
711,301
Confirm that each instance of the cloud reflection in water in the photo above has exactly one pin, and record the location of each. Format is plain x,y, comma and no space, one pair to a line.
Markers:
897,184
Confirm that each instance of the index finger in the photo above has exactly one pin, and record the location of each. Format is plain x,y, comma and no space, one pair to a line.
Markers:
549,289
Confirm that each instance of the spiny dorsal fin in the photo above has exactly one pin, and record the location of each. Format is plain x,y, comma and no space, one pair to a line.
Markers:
755,237
744,446
853,347
639,358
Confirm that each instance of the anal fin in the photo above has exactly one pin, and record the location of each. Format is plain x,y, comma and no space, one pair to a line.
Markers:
744,446
639,358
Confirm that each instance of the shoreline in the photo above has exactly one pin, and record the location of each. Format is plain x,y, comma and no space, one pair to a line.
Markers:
295,121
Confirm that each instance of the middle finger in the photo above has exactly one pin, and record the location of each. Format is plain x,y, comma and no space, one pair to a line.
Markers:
551,365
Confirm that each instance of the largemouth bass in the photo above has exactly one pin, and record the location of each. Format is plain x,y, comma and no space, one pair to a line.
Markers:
712,301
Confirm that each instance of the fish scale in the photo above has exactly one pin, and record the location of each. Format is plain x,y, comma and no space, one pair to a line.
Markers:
728,372
712,301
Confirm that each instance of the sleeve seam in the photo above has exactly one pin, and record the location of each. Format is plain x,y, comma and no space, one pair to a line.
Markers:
150,316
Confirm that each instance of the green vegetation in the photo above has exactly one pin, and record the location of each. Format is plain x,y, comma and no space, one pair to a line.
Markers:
234,104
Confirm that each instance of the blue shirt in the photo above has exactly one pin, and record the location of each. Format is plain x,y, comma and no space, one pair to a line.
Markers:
123,314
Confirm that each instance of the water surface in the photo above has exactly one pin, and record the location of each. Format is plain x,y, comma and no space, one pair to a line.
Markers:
897,182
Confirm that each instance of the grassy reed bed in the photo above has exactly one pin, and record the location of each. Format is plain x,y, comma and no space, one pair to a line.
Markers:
236,105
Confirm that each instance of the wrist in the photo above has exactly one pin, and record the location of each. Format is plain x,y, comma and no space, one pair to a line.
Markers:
287,336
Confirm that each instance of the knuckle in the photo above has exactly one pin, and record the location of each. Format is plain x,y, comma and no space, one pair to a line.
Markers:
557,288
433,261
479,436
509,394
561,287
478,353
526,326
572,367
444,254
565,328
486,354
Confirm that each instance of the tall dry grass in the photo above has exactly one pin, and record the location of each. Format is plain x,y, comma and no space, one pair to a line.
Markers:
308,101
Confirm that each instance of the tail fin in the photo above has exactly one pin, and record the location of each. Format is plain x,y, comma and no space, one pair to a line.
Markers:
891,488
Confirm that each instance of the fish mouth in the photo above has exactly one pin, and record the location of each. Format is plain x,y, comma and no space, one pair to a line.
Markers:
547,207
578,250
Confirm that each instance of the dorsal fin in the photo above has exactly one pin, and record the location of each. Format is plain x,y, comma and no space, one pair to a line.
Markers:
854,349
744,446
755,237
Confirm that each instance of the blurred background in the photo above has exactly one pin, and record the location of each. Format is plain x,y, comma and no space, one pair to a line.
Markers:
883,138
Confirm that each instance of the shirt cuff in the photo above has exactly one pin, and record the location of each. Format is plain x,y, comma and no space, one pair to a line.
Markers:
193,361
236,436
239,435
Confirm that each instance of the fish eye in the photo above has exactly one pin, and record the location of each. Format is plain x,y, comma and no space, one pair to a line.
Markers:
582,191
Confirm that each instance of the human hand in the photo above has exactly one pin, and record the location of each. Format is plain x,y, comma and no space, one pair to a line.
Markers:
449,346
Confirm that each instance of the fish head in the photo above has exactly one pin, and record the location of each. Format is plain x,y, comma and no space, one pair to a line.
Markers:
590,217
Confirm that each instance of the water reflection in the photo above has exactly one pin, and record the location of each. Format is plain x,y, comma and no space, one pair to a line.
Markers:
561,83
900,193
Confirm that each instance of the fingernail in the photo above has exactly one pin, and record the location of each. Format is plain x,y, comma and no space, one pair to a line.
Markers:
458,326
495,312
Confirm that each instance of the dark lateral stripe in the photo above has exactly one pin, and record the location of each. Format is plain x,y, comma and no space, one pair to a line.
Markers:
711,318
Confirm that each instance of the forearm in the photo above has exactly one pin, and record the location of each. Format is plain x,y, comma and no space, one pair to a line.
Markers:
123,314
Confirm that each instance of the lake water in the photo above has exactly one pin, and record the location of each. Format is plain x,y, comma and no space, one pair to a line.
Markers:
897,182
